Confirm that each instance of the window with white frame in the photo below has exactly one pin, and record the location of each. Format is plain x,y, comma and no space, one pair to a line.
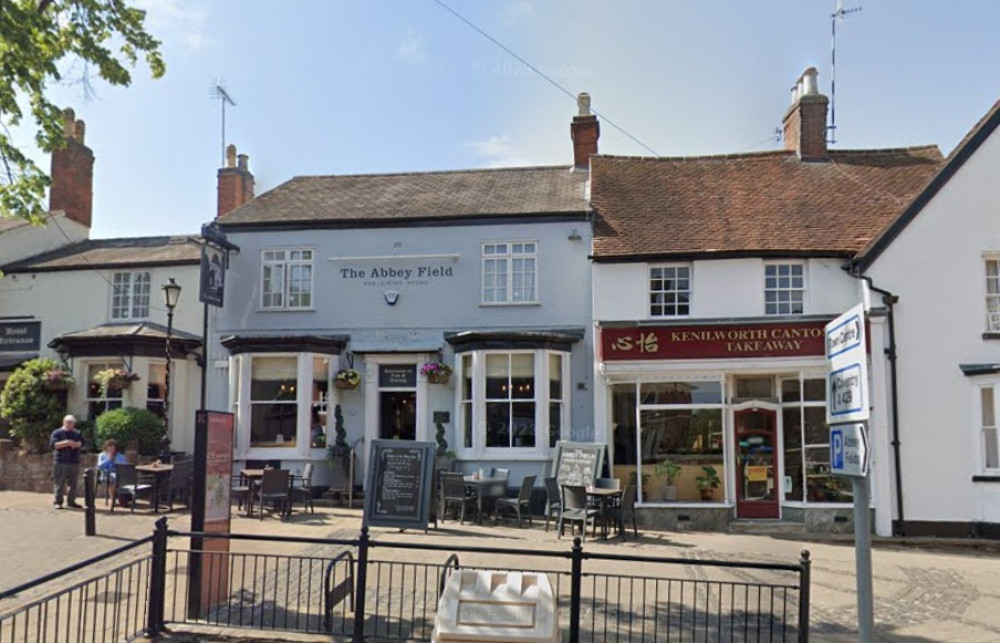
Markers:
510,272
806,439
784,288
273,401
514,400
99,401
993,295
989,445
286,279
130,295
156,387
669,291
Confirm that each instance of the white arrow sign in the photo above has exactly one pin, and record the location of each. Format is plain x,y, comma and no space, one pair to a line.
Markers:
849,451
847,368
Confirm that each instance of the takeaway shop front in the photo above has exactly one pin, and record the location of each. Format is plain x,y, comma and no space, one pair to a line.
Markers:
721,422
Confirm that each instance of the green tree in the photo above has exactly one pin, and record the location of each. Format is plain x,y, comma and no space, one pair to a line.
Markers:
39,41
128,424
31,409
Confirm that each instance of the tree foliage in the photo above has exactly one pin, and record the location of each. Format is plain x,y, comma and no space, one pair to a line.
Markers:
127,424
31,409
41,41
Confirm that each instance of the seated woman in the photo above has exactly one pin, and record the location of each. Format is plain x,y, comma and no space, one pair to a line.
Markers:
106,462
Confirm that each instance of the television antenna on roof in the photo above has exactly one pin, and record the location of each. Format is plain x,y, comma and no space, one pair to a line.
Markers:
218,91
839,13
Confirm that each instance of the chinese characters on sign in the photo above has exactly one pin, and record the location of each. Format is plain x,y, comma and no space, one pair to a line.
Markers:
707,342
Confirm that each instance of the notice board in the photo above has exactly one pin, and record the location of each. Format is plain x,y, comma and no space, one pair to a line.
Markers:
400,484
577,463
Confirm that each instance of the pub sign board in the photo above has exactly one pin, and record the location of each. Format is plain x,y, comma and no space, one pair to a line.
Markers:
715,341
400,484
20,337
577,463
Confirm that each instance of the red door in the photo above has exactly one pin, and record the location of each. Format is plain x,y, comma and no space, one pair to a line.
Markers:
756,464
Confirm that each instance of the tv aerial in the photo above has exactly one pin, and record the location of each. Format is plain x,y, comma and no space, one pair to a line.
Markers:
220,93
839,13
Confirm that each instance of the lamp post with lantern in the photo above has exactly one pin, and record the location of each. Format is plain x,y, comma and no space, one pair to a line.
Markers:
171,292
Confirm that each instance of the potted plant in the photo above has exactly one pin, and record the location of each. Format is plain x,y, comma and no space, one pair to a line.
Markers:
347,379
58,379
436,372
339,451
708,482
115,379
633,480
670,471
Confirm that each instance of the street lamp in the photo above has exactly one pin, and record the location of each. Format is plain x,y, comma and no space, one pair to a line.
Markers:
171,293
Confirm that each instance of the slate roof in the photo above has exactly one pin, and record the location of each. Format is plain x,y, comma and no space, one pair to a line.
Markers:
112,253
147,330
759,204
387,198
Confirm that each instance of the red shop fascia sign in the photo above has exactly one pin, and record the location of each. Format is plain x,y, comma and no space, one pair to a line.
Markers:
717,341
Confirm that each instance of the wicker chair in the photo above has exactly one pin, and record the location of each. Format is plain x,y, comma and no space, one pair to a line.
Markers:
453,491
274,489
303,491
521,503
553,500
574,509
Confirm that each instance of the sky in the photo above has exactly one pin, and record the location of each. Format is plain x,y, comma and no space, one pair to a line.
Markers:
371,86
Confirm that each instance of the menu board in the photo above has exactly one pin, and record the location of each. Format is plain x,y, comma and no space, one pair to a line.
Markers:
400,474
577,463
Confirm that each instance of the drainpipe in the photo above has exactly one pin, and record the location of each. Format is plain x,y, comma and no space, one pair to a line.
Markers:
890,300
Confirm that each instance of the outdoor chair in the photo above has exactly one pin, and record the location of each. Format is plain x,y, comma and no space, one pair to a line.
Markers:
454,492
521,503
575,510
608,483
303,491
274,490
129,486
553,497
624,513
239,490
179,484
503,474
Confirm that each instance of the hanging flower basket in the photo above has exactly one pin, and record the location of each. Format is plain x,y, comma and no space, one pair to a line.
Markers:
436,372
115,379
58,380
347,379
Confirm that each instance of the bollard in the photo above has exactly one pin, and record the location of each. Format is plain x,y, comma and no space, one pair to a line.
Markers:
89,511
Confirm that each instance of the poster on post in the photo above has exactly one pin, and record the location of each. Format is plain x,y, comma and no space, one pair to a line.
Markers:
577,463
215,430
401,484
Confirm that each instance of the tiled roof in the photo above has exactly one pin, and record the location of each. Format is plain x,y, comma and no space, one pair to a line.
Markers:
767,203
381,198
150,330
110,253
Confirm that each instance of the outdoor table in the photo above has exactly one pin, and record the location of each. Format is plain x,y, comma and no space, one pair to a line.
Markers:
485,487
159,473
603,496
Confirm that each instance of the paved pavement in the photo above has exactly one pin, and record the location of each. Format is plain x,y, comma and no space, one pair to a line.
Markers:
921,595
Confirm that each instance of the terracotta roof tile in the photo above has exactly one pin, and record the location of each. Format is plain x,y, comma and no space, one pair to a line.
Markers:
762,203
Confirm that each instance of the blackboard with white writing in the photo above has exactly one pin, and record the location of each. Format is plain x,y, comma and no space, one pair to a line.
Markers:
577,463
400,474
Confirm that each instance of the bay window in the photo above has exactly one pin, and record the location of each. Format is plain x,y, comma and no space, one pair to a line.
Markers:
273,403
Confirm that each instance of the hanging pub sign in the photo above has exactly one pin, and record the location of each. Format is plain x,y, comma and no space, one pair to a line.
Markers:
213,275
713,341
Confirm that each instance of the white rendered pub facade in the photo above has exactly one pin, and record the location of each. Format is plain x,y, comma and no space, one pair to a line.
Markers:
713,280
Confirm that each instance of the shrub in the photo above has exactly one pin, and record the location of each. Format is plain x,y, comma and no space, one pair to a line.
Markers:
127,424
30,408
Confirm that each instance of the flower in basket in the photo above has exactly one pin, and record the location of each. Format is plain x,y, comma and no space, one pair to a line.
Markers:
59,379
347,378
436,372
115,379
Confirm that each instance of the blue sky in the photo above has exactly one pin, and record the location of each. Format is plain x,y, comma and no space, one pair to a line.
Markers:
353,86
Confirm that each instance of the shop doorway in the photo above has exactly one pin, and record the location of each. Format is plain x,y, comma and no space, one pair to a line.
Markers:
756,450
397,415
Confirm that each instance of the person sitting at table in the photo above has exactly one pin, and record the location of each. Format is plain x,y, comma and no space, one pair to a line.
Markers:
109,458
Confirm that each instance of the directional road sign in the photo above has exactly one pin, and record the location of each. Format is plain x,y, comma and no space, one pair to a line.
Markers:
847,368
849,452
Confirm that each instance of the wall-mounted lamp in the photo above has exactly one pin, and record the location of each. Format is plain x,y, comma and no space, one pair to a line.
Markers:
574,235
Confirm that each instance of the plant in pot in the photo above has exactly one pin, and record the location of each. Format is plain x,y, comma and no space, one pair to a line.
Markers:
115,379
338,452
670,471
436,372
58,379
708,482
347,379
633,480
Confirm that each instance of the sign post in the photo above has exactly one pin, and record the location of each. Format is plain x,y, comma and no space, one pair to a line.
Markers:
847,411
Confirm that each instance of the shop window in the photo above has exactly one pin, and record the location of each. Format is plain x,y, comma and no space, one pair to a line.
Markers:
321,416
989,443
156,388
555,397
993,295
510,400
510,274
130,295
624,427
784,288
806,437
97,403
669,291
273,403
465,401
286,279
754,388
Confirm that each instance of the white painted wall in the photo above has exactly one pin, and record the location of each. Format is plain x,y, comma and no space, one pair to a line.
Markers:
936,266
29,240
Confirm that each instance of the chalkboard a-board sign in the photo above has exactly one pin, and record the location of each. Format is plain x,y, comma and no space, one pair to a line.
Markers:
577,463
400,484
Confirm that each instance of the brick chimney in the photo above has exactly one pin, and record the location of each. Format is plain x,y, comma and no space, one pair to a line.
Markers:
585,130
805,121
72,189
235,182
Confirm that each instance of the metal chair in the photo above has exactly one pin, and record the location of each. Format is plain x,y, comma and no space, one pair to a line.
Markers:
179,483
553,503
503,474
129,486
608,483
453,491
523,501
274,489
625,512
303,491
575,510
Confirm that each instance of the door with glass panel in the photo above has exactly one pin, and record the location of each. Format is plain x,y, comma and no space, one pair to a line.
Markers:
755,449
397,401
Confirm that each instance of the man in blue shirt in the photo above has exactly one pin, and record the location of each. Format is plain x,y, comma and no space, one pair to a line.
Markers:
66,442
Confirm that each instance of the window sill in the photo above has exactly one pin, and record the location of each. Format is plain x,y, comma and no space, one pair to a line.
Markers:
986,477
517,304
286,310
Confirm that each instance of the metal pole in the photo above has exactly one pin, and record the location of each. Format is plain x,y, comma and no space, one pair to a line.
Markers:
157,579
863,559
576,581
89,513
805,582
204,355
361,587
166,378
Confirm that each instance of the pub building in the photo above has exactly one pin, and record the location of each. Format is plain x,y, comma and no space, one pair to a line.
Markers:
713,278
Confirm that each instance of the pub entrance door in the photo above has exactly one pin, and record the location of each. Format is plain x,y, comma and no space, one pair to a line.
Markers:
755,443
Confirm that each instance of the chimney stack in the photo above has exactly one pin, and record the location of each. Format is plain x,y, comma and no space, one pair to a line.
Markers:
805,121
72,189
235,182
585,130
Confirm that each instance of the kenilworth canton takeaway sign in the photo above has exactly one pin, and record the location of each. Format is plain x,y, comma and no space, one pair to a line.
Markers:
713,341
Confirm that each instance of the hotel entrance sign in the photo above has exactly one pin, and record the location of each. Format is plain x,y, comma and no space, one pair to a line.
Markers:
847,367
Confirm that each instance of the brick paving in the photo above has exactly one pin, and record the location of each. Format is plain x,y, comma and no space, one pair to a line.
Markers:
921,595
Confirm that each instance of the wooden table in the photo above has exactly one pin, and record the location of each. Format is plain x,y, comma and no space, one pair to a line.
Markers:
603,495
485,487
158,471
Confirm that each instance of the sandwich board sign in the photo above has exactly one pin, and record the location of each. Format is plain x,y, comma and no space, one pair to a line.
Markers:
849,452
847,368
